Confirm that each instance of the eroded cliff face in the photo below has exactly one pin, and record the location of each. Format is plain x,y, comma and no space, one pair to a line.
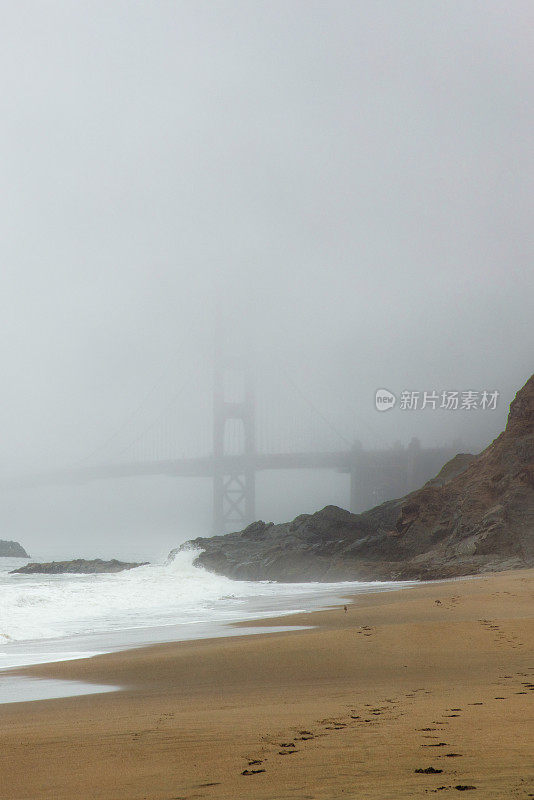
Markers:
476,515
487,511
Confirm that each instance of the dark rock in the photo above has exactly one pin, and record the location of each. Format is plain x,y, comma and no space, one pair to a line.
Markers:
78,565
476,515
429,771
12,550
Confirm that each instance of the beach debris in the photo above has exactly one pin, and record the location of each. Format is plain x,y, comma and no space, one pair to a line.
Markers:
252,771
428,771
253,763
464,788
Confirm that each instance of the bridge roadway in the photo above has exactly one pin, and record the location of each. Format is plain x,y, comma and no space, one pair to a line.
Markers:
201,467
388,462
375,475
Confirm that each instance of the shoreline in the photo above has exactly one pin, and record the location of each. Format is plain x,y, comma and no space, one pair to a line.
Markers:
203,625
351,698
284,622
291,621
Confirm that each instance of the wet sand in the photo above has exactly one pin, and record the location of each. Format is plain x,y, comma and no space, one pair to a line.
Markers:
438,676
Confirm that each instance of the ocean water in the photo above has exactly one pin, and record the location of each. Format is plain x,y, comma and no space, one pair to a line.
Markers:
57,617
23,689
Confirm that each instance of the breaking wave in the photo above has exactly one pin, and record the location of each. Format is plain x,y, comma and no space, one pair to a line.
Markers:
174,592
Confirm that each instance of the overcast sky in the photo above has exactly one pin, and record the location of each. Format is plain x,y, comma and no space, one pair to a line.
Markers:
352,180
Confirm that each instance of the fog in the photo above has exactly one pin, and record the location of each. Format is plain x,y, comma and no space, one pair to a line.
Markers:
349,183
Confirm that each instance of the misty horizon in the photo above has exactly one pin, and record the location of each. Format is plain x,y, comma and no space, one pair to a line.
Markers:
348,183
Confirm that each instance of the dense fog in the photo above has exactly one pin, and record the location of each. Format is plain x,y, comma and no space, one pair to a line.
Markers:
338,190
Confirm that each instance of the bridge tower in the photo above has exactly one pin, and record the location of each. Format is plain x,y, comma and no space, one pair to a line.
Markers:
234,486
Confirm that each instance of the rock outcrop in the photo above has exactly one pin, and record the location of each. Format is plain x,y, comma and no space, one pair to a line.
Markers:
12,550
476,515
77,566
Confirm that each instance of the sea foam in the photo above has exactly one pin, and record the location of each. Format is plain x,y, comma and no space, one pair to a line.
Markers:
36,607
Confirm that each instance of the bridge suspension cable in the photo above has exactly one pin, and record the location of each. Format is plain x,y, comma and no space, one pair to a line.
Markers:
130,418
314,407
162,419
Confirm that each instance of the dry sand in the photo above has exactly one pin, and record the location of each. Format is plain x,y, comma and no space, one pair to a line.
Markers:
440,675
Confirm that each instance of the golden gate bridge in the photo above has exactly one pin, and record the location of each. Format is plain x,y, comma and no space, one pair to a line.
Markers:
248,429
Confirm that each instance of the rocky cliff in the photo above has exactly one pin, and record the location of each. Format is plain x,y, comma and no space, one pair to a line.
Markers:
12,550
476,515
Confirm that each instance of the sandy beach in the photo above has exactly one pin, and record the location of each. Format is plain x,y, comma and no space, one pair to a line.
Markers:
437,676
